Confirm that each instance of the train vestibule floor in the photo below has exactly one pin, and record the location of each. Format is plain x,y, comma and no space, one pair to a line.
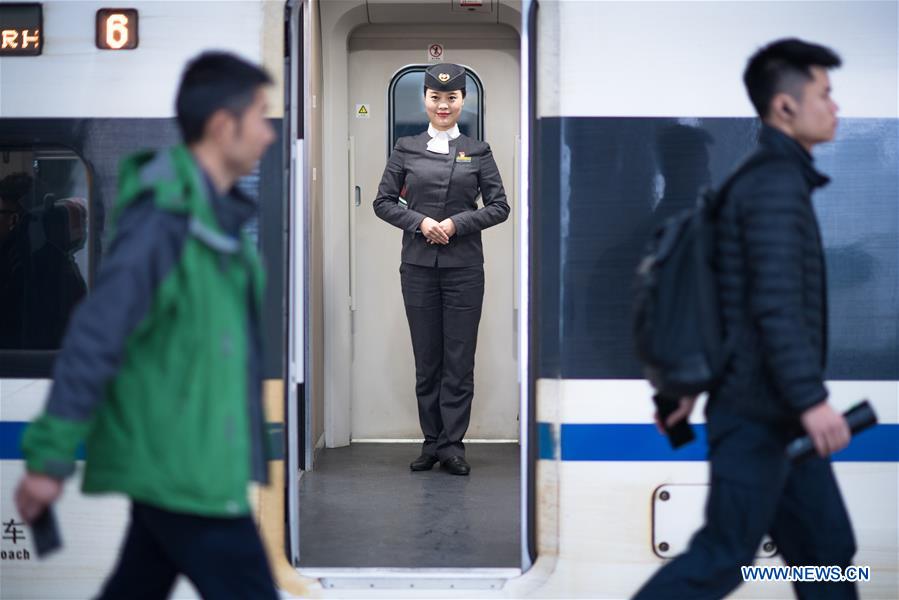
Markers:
362,507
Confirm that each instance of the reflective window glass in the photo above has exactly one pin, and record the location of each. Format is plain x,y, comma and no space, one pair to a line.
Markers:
407,109
44,250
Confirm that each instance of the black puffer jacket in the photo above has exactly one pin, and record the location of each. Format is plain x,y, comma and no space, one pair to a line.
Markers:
772,285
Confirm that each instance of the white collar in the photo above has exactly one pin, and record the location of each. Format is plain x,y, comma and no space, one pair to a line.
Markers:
439,142
451,133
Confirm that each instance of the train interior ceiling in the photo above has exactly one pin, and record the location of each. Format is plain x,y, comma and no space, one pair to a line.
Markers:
359,504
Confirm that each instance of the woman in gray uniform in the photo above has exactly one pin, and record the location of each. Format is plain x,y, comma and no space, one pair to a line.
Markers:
429,190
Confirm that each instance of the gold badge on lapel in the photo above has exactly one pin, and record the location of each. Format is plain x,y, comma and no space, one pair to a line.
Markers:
443,77
462,158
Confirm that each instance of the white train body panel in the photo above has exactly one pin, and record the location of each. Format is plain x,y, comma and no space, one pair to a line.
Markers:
604,509
684,60
72,78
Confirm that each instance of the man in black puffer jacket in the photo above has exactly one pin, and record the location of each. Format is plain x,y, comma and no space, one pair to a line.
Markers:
771,279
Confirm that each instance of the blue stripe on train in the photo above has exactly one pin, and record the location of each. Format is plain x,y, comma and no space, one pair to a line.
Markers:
546,442
11,441
602,441
641,442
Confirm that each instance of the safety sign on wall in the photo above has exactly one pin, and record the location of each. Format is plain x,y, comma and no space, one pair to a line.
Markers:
363,111
435,52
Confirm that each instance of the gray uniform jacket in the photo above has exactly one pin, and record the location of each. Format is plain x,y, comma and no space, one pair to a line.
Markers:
418,184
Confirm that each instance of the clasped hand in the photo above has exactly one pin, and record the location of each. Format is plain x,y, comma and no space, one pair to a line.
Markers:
438,233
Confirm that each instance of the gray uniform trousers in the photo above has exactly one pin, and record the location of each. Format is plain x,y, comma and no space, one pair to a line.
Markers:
443,307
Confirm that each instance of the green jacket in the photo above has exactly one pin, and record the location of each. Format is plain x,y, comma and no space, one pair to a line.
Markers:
153,374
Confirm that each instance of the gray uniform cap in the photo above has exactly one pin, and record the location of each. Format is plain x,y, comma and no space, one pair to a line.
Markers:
445,77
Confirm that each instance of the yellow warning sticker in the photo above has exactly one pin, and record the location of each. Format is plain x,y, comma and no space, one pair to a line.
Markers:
362,111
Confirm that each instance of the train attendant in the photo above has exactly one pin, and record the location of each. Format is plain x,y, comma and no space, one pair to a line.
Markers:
429,190
160,370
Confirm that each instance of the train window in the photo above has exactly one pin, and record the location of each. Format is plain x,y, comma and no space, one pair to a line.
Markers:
407,112
44,254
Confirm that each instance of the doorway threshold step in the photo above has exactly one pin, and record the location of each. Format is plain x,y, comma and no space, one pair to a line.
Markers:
412,579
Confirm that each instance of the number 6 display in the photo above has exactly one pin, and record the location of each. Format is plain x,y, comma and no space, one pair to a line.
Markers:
117,29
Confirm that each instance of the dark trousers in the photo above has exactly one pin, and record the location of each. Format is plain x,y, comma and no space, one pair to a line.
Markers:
756,490
223,557
443,306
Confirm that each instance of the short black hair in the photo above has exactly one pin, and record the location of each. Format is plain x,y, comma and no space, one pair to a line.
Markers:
213,81
779,66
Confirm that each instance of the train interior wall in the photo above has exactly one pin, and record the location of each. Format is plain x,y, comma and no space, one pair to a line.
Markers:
401,33
383,374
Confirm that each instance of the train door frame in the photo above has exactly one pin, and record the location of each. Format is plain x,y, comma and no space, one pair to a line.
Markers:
527,377
296,391
527,342
297,396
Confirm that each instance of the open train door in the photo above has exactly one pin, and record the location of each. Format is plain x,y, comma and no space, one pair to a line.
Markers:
362,82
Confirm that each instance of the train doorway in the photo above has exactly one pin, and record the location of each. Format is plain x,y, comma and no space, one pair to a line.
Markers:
359,505
385,86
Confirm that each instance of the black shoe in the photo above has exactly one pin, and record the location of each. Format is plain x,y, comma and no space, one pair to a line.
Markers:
423,462
456,465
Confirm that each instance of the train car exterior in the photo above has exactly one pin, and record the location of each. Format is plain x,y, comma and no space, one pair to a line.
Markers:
626,109
639,104
67,115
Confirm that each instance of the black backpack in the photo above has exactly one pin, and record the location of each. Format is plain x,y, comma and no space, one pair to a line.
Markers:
677,320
